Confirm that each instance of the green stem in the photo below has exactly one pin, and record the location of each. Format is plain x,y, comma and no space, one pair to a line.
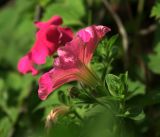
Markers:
89,12
140,6
77,115
106,69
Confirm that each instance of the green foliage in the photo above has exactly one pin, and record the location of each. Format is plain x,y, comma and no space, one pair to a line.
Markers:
135,88
105,54
115,85
68,10
106,124
4,130
148,100
136,114
56,97
13,35
154,60
156,10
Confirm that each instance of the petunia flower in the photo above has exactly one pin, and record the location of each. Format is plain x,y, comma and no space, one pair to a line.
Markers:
73,61
48,38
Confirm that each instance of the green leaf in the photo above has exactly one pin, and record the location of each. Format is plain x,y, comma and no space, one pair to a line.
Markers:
112,40
20,31
156,11
115,85
154,60
135,113
135,88
25,87
71,11
53,99
146,100
108,46
5,127
12,113
14,81
124,80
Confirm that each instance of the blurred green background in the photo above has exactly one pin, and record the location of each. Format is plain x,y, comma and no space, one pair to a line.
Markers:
22,113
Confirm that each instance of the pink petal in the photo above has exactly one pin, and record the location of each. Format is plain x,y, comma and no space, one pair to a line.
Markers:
39,54
52,35
54,79
84,35
66,36
67,59
46,44
91,36
81,48
48,38
101,31
48,41
75,48
55,20
25,65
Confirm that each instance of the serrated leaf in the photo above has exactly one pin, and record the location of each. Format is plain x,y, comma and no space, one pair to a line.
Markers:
115,85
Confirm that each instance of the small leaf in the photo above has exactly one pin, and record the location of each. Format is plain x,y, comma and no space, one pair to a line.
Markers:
115,85
53,99
135,113
113,40
135,88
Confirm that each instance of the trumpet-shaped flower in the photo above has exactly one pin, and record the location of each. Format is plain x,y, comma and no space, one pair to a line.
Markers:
73,60
48,38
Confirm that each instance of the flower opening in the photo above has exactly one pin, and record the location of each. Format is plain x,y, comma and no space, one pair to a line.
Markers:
73,60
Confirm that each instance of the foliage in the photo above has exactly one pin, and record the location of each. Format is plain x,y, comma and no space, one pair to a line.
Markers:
156,11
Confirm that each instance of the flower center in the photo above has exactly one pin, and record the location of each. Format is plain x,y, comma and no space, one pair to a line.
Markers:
87,76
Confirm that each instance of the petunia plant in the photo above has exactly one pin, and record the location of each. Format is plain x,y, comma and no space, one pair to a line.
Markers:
73,60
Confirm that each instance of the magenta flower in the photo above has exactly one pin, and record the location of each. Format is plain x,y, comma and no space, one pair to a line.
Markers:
48,38
73,60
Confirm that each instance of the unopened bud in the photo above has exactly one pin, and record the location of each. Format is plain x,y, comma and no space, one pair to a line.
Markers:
52,116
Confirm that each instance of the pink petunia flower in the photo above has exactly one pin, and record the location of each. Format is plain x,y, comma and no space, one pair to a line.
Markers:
73,61
48,38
